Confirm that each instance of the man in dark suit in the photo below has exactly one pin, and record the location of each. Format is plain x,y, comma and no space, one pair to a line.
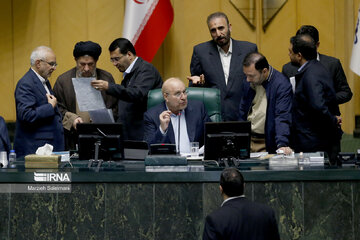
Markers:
215,64
38,119
139,77
162,121
315,114
266,103
333,65
86,55
238,217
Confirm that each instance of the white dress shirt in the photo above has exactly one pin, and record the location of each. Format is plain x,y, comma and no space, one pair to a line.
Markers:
225,60
184,137
43,81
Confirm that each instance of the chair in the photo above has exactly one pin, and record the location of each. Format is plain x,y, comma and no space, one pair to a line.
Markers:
209,96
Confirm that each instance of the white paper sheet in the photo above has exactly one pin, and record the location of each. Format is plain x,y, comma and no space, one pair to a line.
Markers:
87,97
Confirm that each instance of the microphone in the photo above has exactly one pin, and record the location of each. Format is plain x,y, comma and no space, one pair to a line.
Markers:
178,150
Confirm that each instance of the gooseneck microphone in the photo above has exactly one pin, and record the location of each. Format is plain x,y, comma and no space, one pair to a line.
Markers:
178,150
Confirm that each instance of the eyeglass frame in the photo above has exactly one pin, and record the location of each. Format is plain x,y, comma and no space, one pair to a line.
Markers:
117,59
179,94
52,64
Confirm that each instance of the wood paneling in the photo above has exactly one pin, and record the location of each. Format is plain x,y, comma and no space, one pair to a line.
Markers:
7,106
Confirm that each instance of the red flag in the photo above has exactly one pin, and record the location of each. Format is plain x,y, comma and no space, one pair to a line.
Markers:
146,24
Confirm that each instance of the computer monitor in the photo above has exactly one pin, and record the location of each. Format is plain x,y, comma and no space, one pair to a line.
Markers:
108,137
227,140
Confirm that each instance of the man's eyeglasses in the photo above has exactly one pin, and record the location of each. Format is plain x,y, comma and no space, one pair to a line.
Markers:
52,64
178,94
116,59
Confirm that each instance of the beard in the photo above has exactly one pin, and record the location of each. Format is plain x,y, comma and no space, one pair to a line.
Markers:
223,40
294,63
86,73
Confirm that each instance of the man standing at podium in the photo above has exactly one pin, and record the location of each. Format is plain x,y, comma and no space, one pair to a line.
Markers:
238,217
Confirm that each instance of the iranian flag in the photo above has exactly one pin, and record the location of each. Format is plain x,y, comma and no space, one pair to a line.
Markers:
146,25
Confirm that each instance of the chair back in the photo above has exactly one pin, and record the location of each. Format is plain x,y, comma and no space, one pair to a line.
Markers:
209,96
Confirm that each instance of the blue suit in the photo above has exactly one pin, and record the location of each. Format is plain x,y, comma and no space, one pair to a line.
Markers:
278,113
4,137
206,60
195,115
37,122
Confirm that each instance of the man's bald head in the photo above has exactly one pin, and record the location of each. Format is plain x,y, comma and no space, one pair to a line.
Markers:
170,84
175,95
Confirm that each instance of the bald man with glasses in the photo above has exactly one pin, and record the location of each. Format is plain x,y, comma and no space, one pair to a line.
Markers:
162,121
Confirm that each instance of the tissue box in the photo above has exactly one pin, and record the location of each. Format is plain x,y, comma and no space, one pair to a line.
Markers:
42,161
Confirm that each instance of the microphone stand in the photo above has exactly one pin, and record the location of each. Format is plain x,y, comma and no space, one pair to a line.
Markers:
178,150
96,157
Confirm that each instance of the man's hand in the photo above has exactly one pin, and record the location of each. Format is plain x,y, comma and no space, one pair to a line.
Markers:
197,79
164,120
76,121
100,85
51,99
285,150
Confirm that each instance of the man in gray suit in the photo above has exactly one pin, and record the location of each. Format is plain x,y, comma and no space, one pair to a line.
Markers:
333,65
217,64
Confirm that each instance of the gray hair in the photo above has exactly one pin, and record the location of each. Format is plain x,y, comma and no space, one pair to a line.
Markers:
39,53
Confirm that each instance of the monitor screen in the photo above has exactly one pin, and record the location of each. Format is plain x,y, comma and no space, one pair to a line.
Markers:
109,137
227,140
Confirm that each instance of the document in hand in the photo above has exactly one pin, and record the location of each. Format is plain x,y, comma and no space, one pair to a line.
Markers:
88,98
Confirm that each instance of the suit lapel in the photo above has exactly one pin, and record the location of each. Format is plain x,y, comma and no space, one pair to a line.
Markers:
190,123
127,79
234,64
38,84
216,61
171,134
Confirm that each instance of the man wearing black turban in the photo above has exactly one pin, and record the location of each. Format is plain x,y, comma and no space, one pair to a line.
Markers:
86,55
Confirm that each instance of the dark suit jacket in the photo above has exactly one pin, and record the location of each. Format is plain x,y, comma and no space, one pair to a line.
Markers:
66,97
132,96
195,115
338,78
240,218
4,137
37,122
206,60
278,113
314,109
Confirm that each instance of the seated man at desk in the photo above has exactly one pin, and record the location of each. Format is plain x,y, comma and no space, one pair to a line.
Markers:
176,120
